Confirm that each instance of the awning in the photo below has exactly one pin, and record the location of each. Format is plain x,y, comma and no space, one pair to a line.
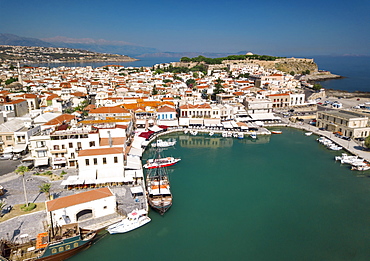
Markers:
137,173
41,161
133,163
140,122
146,135
19,148
227,125
196,121
137,190
159,192
138,142
264,117
211,122
8,149
155,128
164,124
135,152
184,121
72,180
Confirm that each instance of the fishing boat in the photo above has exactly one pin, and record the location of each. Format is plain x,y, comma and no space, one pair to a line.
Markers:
58,243
135,219
240,135
361,166
253,135
163,144
158,188
276,132
160,163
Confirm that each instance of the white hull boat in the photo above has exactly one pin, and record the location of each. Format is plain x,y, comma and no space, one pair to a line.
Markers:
160,163
135,219
163,144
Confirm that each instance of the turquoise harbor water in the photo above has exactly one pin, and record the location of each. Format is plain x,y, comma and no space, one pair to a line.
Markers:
282,197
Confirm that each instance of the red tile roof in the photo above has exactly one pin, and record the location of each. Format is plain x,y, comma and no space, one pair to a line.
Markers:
64,118
109,110
100,151
79,198
166,109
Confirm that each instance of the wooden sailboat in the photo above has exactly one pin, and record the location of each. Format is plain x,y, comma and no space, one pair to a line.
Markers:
57,244
158,188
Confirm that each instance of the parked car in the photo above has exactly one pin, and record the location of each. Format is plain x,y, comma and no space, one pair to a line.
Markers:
6,156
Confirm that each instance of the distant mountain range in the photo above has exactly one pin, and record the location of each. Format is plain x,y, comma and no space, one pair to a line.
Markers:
101,46
12,39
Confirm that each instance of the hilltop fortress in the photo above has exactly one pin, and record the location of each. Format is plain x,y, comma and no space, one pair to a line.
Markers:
287,65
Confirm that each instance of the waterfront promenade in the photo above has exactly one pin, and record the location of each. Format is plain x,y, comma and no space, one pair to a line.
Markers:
355,148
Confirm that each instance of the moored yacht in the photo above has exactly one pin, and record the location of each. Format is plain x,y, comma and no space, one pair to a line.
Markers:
135,219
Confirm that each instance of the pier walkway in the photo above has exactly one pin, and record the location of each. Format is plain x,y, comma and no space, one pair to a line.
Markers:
352,146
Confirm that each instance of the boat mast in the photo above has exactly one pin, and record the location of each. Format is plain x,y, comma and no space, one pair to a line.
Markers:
52,225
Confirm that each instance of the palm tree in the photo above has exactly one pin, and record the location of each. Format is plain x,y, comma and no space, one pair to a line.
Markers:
45,188
21,170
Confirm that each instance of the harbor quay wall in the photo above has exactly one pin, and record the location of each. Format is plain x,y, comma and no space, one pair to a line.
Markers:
348,145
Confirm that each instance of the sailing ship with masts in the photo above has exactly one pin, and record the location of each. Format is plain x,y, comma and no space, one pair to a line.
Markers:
59,243
158,188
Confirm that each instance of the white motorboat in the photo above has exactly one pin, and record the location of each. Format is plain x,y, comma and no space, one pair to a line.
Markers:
334,147
160,163
308,133
135,219
253,135
163,144
361,167
211,133
224,134
240,135
194,132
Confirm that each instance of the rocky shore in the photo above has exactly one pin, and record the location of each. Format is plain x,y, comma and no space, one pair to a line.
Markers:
322,77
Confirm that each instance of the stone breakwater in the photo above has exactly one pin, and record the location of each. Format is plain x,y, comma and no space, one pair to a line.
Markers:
321,77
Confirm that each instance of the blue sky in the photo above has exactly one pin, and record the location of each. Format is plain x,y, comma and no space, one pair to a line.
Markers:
283,27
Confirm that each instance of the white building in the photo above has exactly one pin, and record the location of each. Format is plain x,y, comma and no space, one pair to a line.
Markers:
83,206
102,165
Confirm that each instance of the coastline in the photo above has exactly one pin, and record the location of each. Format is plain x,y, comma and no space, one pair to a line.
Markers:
129,59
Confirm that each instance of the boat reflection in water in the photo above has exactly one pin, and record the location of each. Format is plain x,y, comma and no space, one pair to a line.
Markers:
217,140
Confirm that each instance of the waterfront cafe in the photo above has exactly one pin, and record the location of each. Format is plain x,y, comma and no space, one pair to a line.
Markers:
74,182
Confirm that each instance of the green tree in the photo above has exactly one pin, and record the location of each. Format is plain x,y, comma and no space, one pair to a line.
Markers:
367,142
317,86
191,83
154,91
292,73
185,59
21,170
11,80
45,188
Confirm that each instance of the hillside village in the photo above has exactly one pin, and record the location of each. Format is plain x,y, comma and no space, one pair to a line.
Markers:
98,121
49,105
